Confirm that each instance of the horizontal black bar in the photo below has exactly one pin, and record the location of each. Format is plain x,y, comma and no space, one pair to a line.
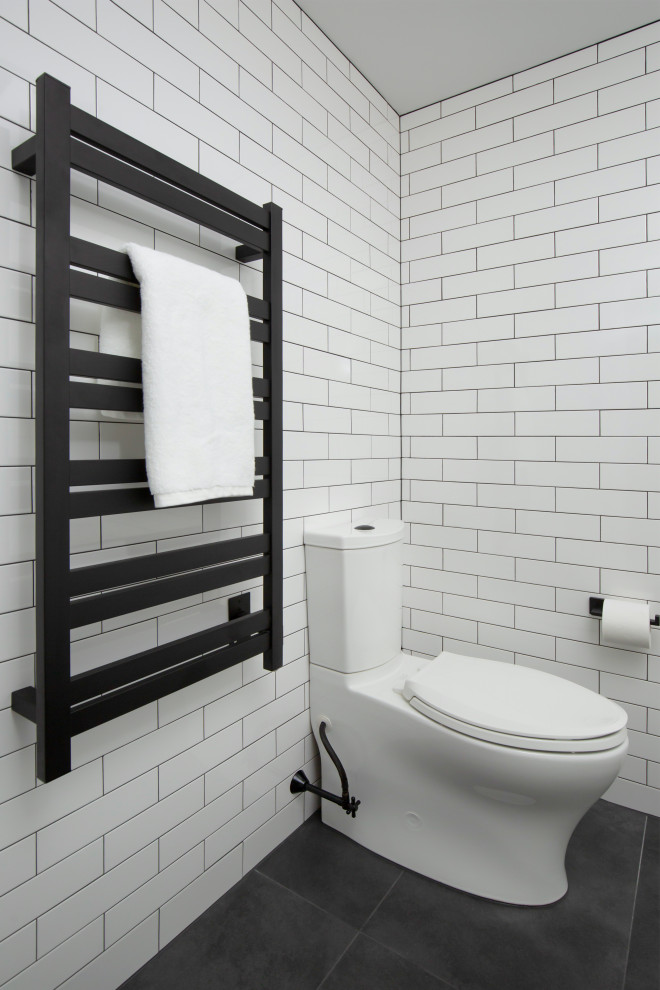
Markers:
116,471
153,189
108,503
84,580
83,395
104,291
245,253
92,713
109,472
107,292
24,702
111,604
24,157
97,258
129,669
92,364
116,142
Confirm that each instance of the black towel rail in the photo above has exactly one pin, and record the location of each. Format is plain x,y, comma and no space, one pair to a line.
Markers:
68,597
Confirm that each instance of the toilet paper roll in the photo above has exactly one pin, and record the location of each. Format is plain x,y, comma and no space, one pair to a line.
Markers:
625,624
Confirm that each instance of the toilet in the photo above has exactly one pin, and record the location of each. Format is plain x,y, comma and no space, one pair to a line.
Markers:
472,772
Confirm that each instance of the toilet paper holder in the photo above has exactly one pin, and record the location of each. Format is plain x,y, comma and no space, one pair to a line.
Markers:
596,609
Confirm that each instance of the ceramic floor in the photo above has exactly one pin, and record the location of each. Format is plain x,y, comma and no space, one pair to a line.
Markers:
322,912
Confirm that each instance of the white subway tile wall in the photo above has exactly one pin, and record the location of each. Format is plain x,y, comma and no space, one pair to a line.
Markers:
168,806
531,314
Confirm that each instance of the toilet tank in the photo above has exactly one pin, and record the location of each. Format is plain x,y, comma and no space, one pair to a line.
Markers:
354,578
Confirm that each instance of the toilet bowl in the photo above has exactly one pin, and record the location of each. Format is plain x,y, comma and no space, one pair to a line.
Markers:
472,772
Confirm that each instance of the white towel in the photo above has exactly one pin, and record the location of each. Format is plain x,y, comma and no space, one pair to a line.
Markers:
197,380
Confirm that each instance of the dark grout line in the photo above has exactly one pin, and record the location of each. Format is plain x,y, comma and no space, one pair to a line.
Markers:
301,897
441,983
337,961
386,894
632,916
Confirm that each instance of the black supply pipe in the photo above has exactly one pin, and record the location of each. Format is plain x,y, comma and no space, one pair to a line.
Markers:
300,781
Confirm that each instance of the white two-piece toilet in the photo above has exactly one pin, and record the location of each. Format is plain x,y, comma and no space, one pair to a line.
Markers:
472,772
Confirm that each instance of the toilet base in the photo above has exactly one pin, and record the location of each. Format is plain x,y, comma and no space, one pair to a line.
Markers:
490,820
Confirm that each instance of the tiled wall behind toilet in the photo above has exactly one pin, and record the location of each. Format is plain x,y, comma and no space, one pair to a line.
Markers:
169,805
531,359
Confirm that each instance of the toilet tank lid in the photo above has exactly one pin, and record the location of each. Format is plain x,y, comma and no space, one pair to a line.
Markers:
354,535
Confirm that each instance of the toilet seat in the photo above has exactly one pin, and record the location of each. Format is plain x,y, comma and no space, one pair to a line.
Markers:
515,706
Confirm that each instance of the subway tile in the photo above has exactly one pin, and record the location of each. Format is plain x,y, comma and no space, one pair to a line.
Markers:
137,906
526,249
556,67
629,40
602,449
557,218
603,74
436,175
627,395
626,94
601,235
436,222
472,235
490,184
517,497
515,300
18,951
198,759
632,312
629,259
514,203
145,47
601,182
629,148
129,115
576,266
32,898
55,967
556,117
479,140
605,128
474,97
441,129
60,839
121,960
76,41
62,921
520,102
548,169
525,150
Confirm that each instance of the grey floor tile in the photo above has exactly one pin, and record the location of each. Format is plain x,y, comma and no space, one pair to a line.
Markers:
643,971
366,965
579,943
332,871
259,936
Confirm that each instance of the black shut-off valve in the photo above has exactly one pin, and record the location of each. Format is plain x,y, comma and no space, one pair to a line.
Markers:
300,781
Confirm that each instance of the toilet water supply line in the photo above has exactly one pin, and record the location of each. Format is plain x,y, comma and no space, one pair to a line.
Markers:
300,781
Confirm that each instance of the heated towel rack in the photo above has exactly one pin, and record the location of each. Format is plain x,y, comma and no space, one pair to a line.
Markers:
67,598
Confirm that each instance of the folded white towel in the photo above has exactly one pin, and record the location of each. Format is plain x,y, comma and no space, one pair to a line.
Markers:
197,380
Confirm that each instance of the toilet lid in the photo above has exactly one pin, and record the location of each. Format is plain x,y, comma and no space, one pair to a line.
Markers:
533,710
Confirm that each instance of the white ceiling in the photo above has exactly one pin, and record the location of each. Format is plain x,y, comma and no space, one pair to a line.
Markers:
417,52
